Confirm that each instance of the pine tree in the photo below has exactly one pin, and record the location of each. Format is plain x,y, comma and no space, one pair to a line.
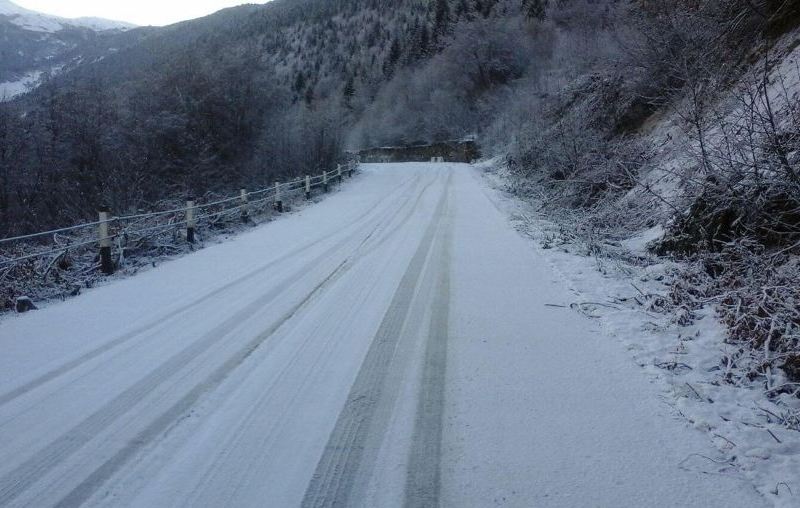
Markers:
535,9
348,92
424,41
442,16
299,83
395,52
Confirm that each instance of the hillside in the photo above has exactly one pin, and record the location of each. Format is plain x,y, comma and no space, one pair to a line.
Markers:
45,23
662,144
34,46
227,101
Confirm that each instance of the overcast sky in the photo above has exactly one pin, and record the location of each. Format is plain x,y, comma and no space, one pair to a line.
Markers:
140,12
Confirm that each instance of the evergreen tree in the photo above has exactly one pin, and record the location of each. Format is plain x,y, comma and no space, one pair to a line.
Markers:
348,92
535,9
395,52
442,16
299,83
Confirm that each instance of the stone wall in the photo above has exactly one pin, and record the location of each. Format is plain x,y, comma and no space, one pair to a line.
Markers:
452,151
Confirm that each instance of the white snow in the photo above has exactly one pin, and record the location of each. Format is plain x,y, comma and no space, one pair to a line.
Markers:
11,89
683,361
217,379
99,24
638,244
38,22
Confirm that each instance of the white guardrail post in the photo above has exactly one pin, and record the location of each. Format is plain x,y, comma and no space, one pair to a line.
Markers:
191,220
339,173
278,199
308,187
325,181
106,263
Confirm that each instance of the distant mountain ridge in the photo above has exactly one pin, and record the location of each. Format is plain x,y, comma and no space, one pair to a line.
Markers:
34,45
40,22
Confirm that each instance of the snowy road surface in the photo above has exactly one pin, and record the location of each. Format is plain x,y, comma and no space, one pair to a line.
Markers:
389,346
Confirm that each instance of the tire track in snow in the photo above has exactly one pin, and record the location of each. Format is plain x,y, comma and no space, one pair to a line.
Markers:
246,425
18,480
87,488
423,477
346,454
87,357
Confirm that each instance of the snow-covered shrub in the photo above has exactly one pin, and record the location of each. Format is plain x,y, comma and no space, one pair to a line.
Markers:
724,92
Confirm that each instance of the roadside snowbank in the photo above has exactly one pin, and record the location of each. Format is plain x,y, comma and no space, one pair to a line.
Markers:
681,353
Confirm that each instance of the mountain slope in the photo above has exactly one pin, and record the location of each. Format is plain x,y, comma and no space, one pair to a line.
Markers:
34,45
39,22
231,100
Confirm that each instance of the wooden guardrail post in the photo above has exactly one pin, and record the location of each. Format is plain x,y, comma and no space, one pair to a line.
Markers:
278,198
325,181
245,211
191,220
308,187
106,263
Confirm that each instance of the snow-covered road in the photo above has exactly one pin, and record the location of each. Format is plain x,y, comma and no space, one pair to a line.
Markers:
391,345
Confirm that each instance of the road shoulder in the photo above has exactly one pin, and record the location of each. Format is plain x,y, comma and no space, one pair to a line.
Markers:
543,409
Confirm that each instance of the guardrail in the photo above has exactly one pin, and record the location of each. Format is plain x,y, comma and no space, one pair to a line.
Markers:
110,231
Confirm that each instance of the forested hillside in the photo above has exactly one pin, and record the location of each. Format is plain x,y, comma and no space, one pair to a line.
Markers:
232,100
34,46
250,94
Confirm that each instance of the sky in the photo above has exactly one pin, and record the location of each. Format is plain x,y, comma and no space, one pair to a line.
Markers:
139,12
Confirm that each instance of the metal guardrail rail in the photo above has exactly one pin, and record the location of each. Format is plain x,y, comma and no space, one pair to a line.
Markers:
109,228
